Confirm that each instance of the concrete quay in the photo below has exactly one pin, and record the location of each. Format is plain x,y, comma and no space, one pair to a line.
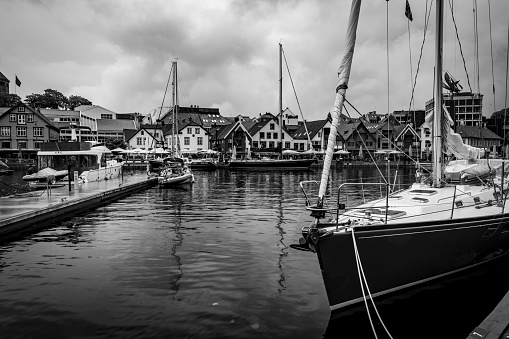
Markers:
33,210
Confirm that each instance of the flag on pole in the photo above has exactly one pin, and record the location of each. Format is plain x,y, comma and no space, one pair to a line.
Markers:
18,83
408,11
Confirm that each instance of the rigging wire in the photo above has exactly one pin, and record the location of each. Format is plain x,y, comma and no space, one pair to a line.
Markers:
296,98
476,45
410,55
263,83
361,117
491,46
162,103
461,49
505,100
364,282
427,14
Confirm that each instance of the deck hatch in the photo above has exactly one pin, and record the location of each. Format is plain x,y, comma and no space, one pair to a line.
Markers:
423,192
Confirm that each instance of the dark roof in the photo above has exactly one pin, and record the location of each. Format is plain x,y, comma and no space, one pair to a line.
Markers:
114,124
3,77
128,133
313,127
36,112
476,132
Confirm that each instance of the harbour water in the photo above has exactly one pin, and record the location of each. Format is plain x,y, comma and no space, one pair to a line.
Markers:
211,261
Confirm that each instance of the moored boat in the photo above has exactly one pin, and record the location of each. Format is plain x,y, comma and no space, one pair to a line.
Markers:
92,163
439,226
174,172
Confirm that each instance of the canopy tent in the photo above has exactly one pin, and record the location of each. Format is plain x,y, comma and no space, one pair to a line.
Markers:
289,152
387,151
207,151
159,150
118,150
103,149
341,152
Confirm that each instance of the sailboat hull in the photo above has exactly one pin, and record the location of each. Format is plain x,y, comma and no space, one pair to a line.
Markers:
186,178
405,255
278,164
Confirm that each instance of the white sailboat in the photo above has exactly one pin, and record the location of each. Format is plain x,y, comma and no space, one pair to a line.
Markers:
280,163
175,171
436,227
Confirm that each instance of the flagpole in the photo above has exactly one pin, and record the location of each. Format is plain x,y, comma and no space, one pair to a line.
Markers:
15,85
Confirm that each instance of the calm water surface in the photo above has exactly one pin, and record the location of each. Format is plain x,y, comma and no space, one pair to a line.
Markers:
209,261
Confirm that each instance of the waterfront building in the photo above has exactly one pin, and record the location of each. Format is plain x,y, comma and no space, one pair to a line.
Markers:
319,131
266,134
4,84
357,138
465,108
145,138
190,136
22,130
479,137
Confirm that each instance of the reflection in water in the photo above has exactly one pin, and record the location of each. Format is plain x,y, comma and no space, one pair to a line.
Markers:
173,201
118,271
279,226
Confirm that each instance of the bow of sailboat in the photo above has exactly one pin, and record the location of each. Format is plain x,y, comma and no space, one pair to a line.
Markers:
442,224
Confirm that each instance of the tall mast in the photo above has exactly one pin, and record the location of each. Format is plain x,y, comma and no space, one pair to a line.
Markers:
437,116
343,78
173,111
176,112
280,98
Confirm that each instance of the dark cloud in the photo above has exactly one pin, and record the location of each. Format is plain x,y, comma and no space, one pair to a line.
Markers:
118,53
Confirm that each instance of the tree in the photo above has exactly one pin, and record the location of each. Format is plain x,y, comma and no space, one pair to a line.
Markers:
34,100
113,143
50,99
9,100
499,114
76,100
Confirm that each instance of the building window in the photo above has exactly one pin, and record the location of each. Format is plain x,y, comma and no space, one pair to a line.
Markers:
38,131
271,144
107,116
5,131
287,145
22,144
275,135
187,141
139,141
37,144
21,108
21,119
255,144
142,133
12,117
196,131
199,140
21,131
272,127
6,144
30,118
269,135
189,130
263,144
262,135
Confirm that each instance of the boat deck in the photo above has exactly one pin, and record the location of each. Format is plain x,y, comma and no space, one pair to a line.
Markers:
33,209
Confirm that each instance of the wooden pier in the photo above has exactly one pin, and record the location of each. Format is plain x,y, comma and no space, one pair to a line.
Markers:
33,210
496,324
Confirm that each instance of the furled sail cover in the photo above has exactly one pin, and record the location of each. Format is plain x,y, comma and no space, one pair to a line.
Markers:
453,142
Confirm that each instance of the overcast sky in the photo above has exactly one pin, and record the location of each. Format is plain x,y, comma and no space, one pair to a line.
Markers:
118,54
